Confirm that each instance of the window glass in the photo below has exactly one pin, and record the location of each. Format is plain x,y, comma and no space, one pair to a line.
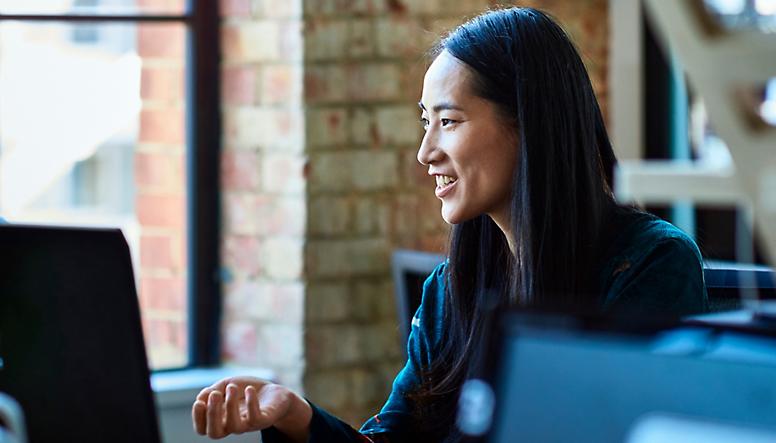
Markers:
92,6
92,120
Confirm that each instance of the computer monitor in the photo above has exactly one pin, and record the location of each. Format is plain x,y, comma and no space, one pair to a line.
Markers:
71,344
410,271
558,382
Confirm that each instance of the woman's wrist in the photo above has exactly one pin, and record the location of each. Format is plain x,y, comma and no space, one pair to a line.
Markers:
296,423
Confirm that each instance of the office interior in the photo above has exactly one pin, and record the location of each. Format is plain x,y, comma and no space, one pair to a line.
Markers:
259,160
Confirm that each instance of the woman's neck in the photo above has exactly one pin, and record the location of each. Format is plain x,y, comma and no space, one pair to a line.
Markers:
502,221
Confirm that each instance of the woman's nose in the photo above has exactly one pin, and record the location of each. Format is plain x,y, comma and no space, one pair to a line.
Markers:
427,153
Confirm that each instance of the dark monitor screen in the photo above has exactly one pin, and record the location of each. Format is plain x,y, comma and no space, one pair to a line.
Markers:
71,344
558,385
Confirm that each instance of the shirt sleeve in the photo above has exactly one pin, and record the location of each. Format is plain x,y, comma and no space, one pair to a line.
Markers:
396,421
666,283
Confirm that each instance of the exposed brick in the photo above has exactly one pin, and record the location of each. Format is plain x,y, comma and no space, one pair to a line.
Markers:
161,5
399,36
281,84
330,389
405,214
368,7
165,84
372,216
284,173
273,128
285,258
239,85
362,300
325,83
163,293
283,9
361,42
374,170
242,254
270,302
327,302
398,125
414,174
330,215
280,216
161,41
345,258
335,345
160,171
376,81
327,127
363,128
164,125
317,8
236,8
239,212
240,170
331,171
291,41
255,41
241,343
161,210
160,251
325,39
281,345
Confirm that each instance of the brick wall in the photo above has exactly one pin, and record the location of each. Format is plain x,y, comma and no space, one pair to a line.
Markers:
321,182
263,185
160,199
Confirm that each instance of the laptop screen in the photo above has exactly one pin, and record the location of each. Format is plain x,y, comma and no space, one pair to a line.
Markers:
562,384
71,344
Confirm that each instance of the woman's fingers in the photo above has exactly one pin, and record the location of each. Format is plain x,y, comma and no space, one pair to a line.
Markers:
198,416
234,423
204,394
215,415
254,411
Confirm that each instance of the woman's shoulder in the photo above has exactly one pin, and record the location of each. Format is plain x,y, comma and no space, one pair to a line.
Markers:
652,259
641,234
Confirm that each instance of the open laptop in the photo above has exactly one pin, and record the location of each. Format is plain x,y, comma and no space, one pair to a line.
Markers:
71,343
571,380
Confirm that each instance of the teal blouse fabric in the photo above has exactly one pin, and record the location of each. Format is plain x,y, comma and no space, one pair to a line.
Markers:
654,269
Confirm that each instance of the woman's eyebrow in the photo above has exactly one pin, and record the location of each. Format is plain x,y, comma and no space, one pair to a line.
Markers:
444,106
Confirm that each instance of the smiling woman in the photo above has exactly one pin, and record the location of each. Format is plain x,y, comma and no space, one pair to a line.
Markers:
469,146
523,166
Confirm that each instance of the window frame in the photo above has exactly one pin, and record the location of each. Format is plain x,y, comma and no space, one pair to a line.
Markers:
203,148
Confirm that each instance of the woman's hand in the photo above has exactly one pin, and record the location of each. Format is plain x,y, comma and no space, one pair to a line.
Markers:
236,405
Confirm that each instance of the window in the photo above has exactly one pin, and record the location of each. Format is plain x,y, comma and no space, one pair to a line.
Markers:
675,119
109,117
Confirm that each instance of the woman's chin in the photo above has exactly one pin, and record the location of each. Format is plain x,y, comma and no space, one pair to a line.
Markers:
450,216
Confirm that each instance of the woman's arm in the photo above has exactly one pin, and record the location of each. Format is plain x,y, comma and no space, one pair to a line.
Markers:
236,405
245,404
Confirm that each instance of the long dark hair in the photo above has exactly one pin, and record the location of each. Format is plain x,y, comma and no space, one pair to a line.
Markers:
525,64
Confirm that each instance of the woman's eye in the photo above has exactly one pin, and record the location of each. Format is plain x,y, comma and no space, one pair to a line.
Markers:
446,121
424,122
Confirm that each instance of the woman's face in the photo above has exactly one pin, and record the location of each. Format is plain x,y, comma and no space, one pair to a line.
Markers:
467,147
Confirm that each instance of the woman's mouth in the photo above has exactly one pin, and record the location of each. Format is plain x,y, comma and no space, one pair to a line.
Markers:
445,184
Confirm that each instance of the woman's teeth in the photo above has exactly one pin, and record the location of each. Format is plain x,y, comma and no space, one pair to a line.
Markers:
444,180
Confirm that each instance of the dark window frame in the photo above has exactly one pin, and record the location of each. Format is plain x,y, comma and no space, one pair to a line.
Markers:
203,129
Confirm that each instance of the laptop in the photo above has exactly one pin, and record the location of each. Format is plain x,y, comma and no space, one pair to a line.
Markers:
71,343
569,380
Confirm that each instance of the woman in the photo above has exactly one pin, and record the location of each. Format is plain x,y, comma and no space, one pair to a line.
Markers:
523,166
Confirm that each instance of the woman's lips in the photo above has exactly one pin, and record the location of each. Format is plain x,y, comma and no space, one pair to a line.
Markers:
442,191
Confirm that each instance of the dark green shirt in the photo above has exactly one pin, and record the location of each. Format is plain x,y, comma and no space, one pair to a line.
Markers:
651,269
